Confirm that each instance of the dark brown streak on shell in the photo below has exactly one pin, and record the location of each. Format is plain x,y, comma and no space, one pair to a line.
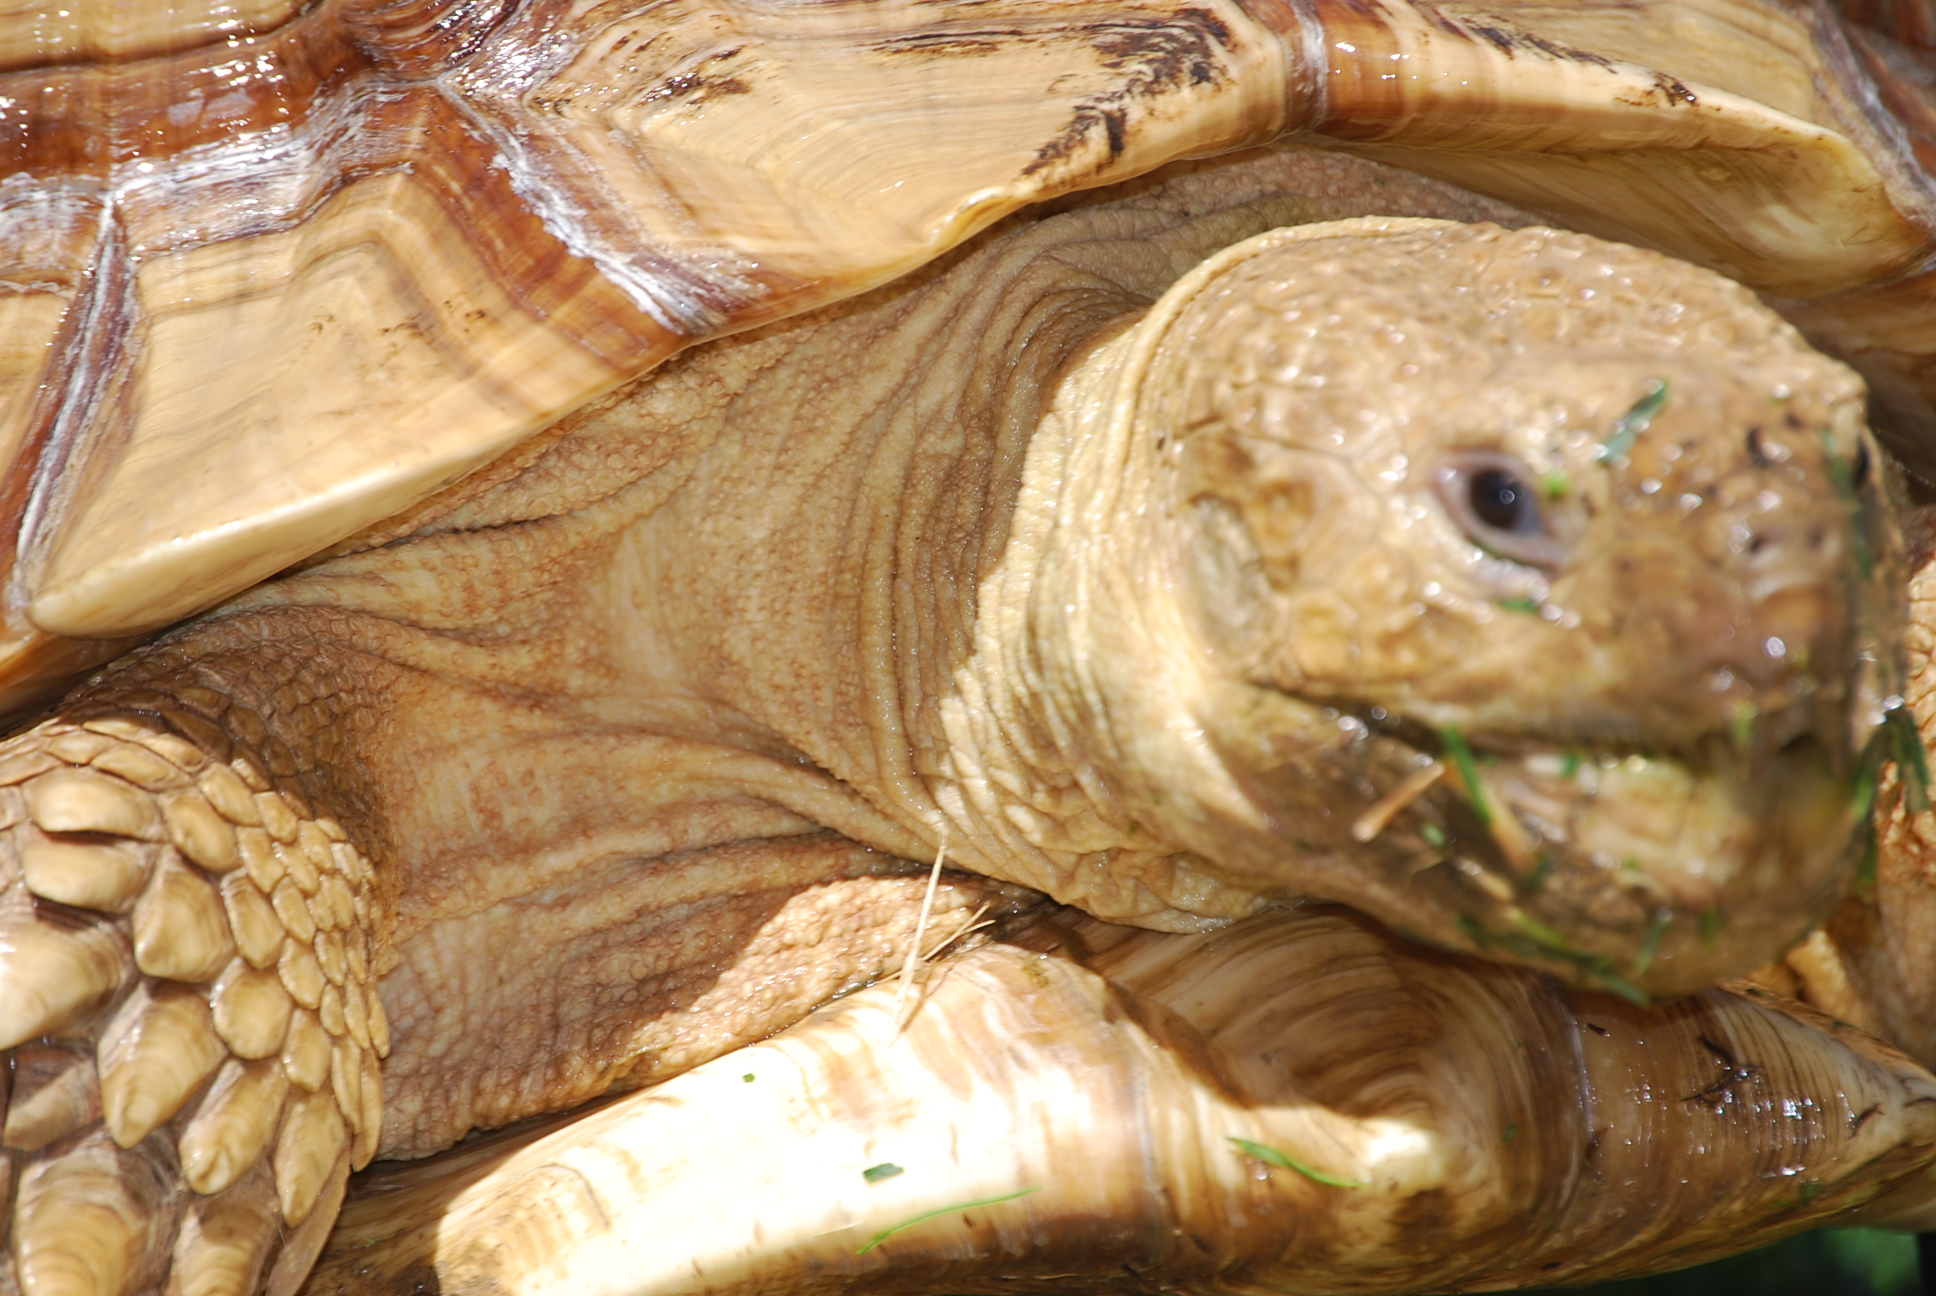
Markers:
697,88
1511,40
966,43
1165,57
78,115
1721,1094
1674,92
554,283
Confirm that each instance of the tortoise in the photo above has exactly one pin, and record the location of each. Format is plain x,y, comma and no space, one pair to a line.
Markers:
637,483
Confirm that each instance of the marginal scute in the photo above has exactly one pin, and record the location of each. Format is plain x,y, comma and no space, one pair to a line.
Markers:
180,930
155,1053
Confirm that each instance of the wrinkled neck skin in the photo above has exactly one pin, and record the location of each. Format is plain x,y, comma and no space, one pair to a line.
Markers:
1074,731
916,621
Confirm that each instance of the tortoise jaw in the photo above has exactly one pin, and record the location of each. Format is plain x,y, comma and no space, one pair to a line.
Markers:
1645,873
1651,873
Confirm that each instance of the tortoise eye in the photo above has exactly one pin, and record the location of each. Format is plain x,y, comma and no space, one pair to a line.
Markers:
1489,495
1502,502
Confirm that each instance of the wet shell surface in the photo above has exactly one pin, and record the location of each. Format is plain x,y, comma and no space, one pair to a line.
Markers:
271,274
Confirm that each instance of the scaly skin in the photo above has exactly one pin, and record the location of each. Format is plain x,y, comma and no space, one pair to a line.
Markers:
1873,963
615,759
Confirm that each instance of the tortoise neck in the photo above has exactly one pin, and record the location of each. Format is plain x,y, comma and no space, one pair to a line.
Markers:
817,582
1080,685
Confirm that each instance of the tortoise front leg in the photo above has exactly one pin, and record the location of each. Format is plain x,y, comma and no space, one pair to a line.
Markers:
187,987
214,855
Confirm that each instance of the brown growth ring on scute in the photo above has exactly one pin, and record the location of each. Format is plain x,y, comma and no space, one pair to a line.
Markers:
386,250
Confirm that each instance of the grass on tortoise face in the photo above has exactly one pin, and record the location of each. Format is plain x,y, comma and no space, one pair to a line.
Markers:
1831,1262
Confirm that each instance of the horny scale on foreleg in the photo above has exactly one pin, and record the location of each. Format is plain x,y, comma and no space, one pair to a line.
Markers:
187,991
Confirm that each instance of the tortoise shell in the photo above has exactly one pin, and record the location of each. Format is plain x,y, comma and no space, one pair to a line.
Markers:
276,273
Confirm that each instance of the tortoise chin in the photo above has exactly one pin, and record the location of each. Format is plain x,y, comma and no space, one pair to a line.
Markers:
1643,873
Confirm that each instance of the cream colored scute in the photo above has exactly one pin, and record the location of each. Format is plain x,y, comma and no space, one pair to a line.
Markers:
292,387
273,424
336,319
1785,203
855,144
51,236
37,31
1759,51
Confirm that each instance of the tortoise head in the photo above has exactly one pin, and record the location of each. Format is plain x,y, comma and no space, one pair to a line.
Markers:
1534,593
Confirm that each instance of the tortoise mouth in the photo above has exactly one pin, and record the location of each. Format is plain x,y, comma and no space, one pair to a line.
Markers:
1645,871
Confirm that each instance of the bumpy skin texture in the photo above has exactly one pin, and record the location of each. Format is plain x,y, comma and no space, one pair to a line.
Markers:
613,764
1873,963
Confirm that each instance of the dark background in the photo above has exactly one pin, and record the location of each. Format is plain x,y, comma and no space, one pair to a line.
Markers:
1839,1262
